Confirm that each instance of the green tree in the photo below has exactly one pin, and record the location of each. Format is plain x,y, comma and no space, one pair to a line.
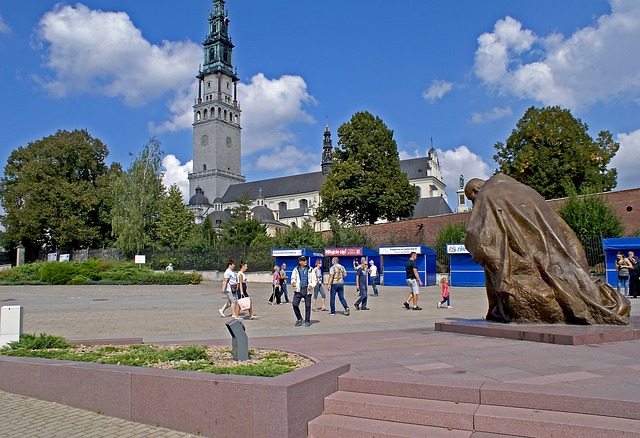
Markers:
365,183
454,232
175,220
344,236
590,217
551,152
299,237
137,196
55,193
241,229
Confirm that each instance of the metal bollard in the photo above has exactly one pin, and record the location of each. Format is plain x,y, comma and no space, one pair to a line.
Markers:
10,324
239,340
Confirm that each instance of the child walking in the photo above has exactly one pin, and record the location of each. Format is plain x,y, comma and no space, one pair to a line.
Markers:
445,295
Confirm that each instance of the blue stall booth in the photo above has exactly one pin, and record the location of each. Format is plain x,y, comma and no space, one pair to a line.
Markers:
394,259
464,271
347,256
290,257
611,248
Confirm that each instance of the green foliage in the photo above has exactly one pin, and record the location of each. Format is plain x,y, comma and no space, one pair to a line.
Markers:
42,341
299,237
365,183
175,220
56,194
137,196
94,271
590,216
342,236
551,151
240,229
146,355
453,233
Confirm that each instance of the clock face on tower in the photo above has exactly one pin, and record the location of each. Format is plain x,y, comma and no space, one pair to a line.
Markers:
229,142
204,140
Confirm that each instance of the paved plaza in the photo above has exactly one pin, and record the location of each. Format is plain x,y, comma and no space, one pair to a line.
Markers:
387,338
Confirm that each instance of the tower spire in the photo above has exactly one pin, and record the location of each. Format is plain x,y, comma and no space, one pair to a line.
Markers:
327,148
218,47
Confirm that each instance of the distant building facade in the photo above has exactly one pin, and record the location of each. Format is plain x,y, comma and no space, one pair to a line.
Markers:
279,202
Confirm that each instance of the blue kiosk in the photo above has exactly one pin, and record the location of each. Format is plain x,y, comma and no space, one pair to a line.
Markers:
290,257
394,259
611,248
464,271
347,256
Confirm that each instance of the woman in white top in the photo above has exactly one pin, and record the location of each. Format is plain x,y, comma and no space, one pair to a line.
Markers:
230,287
242,279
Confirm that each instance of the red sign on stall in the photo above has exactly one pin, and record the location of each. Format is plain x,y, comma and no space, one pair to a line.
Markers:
343,252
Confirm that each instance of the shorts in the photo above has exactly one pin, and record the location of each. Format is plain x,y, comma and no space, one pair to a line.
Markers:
232,298
413,284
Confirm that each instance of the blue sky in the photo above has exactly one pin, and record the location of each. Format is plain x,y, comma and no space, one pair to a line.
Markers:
461,72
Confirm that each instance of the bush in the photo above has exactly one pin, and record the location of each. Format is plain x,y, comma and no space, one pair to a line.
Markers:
79,279
40,342
57,273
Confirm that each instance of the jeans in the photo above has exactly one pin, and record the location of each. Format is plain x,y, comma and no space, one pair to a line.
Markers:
372,281
337,289
623,281
446,300
283,288
297,297
362,299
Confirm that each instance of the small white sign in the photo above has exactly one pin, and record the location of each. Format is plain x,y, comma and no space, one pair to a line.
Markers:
52,257
399,250
64,257
286,252
457,249
141,259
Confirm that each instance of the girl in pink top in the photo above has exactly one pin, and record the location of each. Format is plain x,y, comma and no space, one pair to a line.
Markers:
445,295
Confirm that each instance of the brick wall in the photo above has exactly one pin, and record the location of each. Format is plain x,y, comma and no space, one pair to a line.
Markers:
424,231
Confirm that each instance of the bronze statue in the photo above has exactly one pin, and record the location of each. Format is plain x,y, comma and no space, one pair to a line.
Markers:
536,270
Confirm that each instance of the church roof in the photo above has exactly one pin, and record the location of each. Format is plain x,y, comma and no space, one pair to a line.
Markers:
431,207
199,198
414,168
217,218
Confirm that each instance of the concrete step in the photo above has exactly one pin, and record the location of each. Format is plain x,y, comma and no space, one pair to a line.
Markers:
445,414
340,426
620,403
541,423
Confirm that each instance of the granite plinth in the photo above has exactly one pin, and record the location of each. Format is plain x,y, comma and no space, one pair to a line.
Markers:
547,333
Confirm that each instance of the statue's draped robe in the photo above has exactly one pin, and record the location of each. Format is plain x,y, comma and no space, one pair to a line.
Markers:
536,270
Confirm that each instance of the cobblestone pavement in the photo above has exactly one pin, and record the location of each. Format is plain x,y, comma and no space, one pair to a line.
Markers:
26,417
386,337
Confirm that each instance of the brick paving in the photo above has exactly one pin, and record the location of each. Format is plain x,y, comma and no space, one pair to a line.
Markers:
386,338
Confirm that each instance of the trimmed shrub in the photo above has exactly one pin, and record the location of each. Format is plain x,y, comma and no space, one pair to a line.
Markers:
57,273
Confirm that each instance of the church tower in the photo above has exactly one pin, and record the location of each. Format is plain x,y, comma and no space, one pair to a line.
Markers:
216,113
327,151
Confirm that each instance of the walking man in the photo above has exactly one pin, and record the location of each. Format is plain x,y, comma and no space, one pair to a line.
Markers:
373,277
283,282
361,285
303,280
336,286
413,280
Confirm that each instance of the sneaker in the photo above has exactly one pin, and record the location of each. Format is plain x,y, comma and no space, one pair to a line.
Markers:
406,305
298,323
347,312
364,308
438,304
221,312
449,307
417,308
332,314
356,306
307,324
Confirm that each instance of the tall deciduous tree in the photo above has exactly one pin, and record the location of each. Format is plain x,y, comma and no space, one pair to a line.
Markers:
241,229
552,152
365,183
137,196
175,221
55,193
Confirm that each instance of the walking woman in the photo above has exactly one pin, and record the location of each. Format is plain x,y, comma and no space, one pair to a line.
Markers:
242,279
623,265
230,287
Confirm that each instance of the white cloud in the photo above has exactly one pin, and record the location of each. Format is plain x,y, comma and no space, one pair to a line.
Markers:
626,160
297,161
492,115
269,107
92,51
437,90
4,27
597,63
461,161
176,173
